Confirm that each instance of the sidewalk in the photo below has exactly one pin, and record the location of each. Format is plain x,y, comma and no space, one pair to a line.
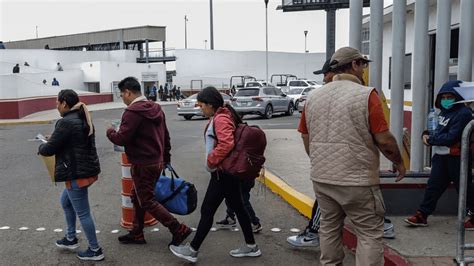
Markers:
46,117
432,245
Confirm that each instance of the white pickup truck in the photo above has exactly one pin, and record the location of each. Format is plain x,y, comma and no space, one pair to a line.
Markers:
297,88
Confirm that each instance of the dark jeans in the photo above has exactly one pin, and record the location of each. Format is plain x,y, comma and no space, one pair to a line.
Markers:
143,198
444,170
245,187
222,186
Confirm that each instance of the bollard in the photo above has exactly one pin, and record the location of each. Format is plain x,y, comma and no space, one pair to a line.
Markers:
128,211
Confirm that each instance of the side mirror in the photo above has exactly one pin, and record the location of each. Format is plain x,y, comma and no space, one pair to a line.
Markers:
283,95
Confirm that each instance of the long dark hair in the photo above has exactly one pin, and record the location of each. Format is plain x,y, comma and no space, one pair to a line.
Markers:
71,98
210,95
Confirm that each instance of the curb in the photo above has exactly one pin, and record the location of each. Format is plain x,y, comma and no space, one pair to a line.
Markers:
23,123
304,205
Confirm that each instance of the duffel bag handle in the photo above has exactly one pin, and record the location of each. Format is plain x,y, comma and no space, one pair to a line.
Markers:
173,174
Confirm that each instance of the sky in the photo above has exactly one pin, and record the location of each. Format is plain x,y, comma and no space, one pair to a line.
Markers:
239,25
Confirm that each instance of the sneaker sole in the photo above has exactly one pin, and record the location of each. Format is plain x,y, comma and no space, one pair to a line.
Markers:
96,258
250,254
389,236
256,231
415,224
302,245
228,227
71,247
188,258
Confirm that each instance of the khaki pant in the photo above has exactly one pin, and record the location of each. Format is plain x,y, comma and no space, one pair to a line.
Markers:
365,209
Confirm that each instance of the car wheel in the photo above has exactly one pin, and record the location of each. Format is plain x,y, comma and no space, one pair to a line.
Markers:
290,109
268,112
188,117
296,104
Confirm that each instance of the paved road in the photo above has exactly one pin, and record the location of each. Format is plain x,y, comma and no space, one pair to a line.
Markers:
29,199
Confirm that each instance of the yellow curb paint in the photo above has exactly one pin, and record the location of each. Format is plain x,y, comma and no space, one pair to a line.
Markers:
298,200
21,123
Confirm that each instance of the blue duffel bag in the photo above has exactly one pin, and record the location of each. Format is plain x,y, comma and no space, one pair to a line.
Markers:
175,194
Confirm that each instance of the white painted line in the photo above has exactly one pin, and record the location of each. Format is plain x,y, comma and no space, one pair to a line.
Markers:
78,231
193,229
236,229
213,229
97,231
294,230
155,230
23,228
4,227
275,230
58,230
40,229
115,231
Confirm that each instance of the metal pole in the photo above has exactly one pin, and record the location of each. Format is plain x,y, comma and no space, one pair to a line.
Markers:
376,44
397,82
330,32
266,41
355,25
463,174
305,51
212,25
419,81
443,43
36,32
465,40
185,32
147,51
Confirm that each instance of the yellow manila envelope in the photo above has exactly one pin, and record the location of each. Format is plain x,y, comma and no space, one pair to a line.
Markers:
49,162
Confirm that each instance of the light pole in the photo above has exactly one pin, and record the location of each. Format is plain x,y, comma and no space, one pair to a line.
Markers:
37,32
212,25
205,44
185,32
266,40
305,51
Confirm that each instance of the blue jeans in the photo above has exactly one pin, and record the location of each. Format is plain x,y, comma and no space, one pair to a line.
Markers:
75,201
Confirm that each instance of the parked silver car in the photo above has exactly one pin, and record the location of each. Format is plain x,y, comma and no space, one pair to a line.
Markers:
264,101
189,107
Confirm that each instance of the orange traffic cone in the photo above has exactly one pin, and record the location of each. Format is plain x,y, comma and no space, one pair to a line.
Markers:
128,211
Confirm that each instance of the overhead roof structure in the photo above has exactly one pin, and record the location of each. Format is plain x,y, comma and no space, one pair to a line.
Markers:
98,40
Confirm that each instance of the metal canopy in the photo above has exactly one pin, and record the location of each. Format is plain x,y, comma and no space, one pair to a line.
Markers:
307,5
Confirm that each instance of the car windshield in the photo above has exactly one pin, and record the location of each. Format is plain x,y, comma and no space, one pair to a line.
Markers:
295,91
252,84
312,83
225,96
247,92
192,97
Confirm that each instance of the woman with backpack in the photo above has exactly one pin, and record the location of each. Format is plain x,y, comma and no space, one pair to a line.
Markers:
76,164
219,142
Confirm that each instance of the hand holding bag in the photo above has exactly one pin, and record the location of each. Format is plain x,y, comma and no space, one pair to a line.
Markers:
175,194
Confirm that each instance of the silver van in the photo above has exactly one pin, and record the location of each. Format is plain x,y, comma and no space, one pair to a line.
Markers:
264,101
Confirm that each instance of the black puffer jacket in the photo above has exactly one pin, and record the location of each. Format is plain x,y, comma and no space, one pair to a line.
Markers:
76,155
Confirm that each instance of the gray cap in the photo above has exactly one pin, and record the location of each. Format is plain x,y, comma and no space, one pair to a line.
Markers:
345,55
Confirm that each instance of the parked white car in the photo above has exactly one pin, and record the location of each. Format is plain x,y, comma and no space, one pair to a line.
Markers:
299,87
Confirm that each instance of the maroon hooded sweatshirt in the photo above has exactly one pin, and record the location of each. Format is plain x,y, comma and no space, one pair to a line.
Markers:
144,134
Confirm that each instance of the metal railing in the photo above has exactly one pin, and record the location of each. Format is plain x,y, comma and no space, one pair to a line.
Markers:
461,245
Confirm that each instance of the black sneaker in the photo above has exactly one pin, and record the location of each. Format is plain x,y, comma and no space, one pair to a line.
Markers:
256,228
132,238
89,254
227,223
68,244
180,235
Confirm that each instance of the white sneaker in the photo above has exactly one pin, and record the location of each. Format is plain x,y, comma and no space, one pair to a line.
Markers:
388,229
305,239
184,252
245,251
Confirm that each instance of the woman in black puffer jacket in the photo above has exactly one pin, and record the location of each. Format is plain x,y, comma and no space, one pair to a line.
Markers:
77,164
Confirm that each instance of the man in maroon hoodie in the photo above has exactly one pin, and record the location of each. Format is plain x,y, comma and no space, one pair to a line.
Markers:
145,136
